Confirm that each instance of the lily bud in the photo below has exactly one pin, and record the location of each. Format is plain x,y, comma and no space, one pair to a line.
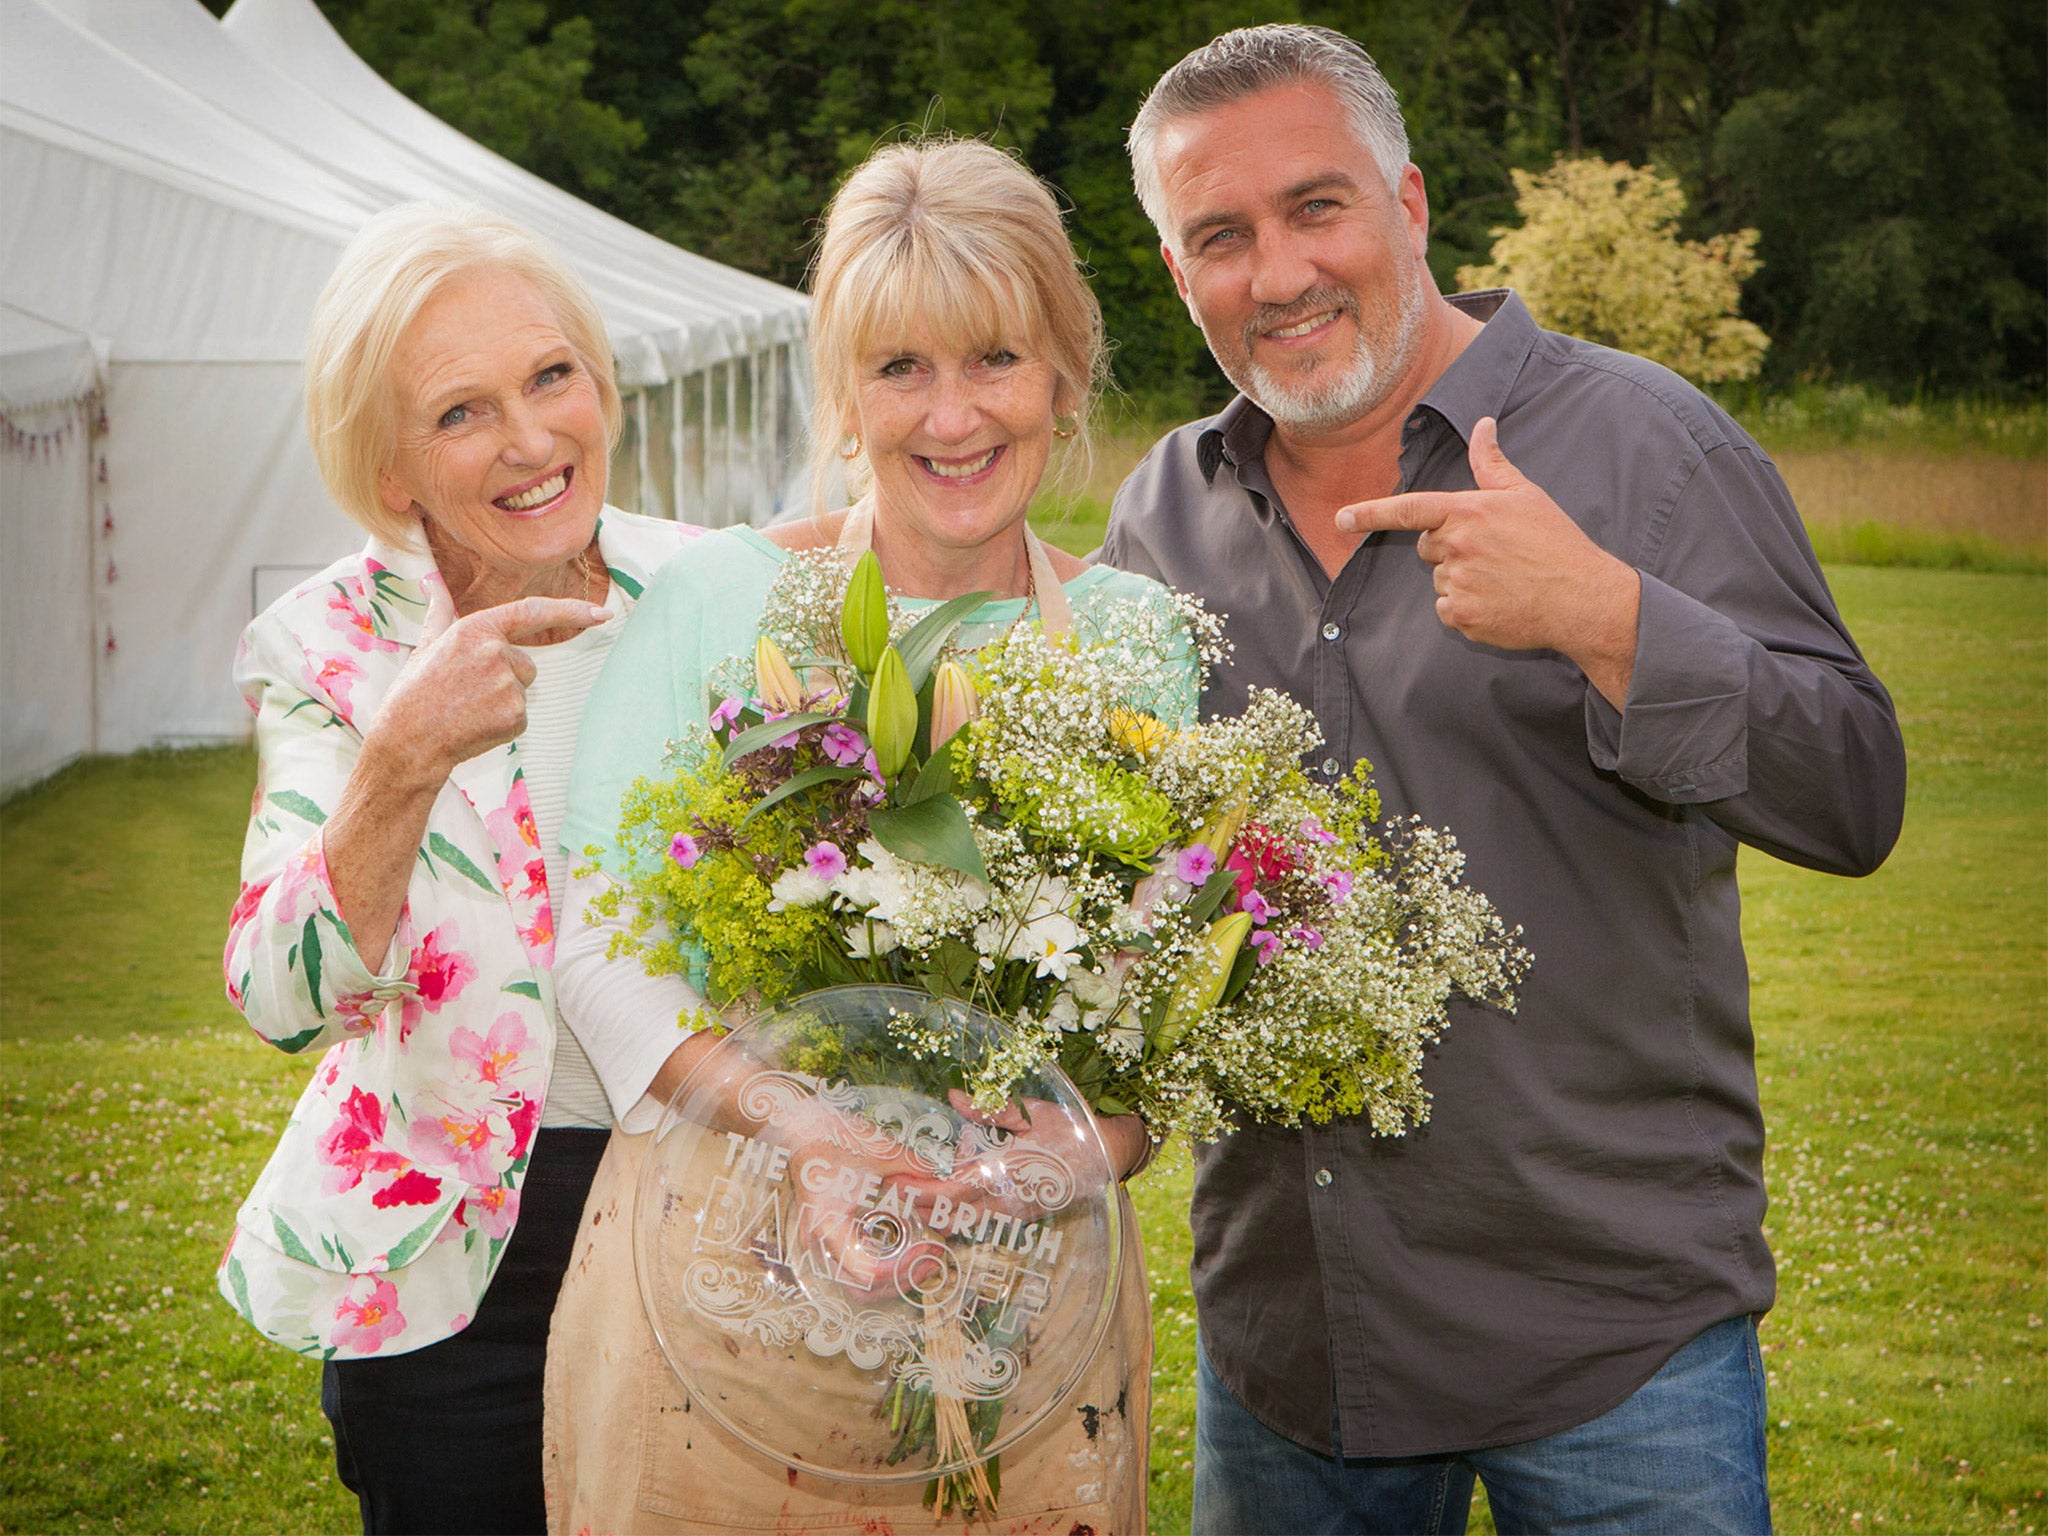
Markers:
775,678
1201,984
954,702
864,619
892,713
1224,826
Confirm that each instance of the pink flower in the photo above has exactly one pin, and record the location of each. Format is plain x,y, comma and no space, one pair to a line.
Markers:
1308,938
354,1144
355,623
439,971
411,1187
521,1120
1317,833
492,1210
842,744
515,839
459,1139
493,1057
1267,943
368,1317
334,676
1261,909
684,850
825,860
725,714
1195,864
1258,855
1338,882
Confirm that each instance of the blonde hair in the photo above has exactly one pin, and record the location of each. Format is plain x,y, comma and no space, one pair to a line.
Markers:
393,266
958,236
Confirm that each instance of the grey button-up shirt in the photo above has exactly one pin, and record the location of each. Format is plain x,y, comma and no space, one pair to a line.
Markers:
1588,1193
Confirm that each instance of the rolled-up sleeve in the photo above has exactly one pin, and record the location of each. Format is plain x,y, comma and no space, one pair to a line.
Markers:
1748,697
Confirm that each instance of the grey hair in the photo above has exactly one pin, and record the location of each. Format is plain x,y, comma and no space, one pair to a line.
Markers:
1253,59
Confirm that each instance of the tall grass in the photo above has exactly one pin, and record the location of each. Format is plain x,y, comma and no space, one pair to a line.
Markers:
1942,485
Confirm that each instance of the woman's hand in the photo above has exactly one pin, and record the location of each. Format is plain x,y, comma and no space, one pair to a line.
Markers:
461,693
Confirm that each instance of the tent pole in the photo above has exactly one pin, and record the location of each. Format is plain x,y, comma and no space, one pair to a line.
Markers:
640,445
675,452
732,411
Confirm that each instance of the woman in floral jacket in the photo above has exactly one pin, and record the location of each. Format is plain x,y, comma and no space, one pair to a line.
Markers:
416,707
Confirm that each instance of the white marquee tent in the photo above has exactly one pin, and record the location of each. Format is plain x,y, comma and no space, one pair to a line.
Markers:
173,193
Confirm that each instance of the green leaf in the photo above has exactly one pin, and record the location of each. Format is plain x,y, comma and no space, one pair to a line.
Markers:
293,1044
1240,972
288,1242
291,800
417,1238
459,861
921,645
934,831
800,782
757,736
523,988
309,953
937,777
240,1283
1214,889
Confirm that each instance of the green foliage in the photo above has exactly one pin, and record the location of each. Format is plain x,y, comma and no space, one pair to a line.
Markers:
1893,158
1597,255
496,70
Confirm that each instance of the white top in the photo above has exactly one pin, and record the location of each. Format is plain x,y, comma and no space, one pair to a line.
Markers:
563,677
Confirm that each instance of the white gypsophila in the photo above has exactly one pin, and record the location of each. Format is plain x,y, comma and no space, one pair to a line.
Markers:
935,904
1253,755
796,887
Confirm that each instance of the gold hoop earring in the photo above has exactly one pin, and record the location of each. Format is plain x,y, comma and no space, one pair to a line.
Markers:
1073,425
849,446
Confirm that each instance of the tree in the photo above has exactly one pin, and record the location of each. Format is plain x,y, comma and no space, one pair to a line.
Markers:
498,72
1894,160
1598,256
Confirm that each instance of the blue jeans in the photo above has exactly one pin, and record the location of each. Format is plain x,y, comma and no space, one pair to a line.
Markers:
1683,1455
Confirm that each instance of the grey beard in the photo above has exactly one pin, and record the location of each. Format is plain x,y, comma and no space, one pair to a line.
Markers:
1371,377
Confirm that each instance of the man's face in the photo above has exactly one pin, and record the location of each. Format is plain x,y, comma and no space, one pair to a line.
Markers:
1302,268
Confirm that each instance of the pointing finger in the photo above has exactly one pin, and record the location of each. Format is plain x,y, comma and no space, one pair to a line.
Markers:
530,615
1417,509
1490,467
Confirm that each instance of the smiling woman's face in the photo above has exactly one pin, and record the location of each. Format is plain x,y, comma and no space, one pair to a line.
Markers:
500,434
957,439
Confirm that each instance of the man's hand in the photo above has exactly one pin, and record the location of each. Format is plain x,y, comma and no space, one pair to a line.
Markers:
1513,570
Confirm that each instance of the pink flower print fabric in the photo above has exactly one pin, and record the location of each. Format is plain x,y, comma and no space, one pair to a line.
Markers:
368,1317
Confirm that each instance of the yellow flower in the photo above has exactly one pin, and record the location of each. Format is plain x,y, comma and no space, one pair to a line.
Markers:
1137,732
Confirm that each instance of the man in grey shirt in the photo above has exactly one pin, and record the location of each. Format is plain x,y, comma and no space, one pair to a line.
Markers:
1614,661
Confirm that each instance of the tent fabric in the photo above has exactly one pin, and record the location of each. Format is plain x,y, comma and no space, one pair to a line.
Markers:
45,365
50,380
171,202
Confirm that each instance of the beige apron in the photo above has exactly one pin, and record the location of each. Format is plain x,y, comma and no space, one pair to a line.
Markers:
624,1451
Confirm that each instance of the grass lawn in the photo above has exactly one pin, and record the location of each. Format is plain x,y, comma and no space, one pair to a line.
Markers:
1900,1023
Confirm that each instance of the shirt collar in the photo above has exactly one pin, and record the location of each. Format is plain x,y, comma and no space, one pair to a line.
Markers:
1475,385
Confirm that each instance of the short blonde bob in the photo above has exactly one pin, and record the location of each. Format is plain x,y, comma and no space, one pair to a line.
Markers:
957,236
396,262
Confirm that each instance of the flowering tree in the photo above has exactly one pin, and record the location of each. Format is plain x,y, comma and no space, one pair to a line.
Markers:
1598,256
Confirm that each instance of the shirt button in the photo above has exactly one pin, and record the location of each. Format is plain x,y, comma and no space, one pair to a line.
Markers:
1323,1177
1331,631
1330,766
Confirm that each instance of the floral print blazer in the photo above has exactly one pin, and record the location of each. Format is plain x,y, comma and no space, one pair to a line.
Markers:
381,1216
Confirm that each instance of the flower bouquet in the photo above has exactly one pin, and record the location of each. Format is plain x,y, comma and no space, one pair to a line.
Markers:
1175,914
